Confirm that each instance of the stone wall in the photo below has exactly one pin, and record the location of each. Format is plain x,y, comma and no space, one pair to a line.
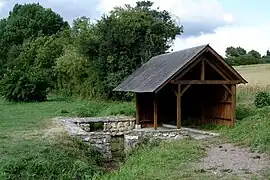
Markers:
102,140
118,134
109,124
138,135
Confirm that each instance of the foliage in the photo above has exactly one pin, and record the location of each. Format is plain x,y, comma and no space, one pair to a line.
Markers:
75,74
130,36
235,52
29,75
26,86
255,54
24,22
262,99
243,111
239,56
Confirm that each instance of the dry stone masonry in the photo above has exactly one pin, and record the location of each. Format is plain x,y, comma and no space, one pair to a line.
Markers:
113,136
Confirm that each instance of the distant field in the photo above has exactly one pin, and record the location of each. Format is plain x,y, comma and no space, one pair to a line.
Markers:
258,74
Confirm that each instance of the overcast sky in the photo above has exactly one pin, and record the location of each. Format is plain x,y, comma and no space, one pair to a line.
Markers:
220,23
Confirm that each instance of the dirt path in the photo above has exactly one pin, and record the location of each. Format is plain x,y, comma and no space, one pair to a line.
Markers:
229,161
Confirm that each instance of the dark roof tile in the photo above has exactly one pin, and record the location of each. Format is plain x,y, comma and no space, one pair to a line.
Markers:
157,70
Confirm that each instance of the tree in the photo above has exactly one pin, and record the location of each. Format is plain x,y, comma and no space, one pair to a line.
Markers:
26,21
31,74
235,52
255,54
128,37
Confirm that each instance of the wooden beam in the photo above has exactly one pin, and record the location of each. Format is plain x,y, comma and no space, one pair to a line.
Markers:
203,71
184,90
233,107
206,82
155,111
228,89
215,68
226,64
188,69
137,109
179,107
218,117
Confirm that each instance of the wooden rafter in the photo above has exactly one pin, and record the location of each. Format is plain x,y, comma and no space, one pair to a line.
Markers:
188,69
216,69
228,89
206,82
242,80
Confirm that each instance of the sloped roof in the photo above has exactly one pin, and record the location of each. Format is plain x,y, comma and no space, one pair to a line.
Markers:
154,73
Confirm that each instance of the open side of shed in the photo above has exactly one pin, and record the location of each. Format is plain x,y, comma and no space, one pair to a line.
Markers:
195,86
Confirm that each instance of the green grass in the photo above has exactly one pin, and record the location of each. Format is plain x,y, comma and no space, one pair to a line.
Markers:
252,131
33,147
169,160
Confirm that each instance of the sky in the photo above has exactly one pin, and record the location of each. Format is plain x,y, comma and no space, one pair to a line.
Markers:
220,23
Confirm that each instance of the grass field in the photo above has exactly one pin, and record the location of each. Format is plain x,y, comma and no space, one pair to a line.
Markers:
32,146
255,74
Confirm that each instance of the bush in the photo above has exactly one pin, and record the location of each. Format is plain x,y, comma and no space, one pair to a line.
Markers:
243,111
262,99
19,86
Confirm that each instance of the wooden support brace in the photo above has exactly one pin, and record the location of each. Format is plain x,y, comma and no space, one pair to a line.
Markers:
228,89
215,68
185,89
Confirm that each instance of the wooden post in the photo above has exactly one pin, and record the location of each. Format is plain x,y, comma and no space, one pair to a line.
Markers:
179,107
137,110
233,89
155,111
203,71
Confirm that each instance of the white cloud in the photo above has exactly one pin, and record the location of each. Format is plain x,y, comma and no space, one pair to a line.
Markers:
2,3
199,13
192,10
248,37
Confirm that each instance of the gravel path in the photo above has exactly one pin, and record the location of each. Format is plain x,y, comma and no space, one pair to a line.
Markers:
228,160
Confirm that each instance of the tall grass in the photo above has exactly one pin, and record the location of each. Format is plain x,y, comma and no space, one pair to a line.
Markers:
252,129
166,161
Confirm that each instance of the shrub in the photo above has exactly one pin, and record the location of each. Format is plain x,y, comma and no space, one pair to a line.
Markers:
243,111
19,86
262,99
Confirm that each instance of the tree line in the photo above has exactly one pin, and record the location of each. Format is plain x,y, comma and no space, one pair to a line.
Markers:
236,56
40,52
